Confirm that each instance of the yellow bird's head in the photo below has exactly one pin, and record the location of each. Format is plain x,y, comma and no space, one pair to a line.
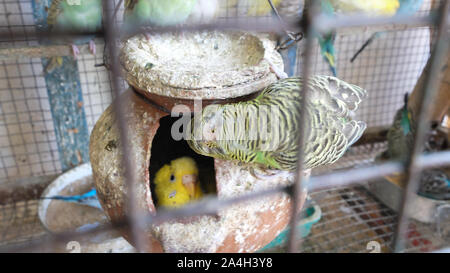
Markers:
177,183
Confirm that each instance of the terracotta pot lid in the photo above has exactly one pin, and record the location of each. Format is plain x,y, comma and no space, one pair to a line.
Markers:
206,65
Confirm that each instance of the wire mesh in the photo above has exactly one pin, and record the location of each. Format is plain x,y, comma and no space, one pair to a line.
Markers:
352,217
28,146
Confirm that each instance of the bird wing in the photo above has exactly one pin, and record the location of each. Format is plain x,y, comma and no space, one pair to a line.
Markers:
337,96
330,126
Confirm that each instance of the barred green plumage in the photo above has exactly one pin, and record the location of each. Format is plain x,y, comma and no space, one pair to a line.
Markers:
264,130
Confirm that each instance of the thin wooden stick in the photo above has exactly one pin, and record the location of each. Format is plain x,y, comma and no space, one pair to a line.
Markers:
42,51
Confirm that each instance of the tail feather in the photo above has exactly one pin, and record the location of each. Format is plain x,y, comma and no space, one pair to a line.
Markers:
329,58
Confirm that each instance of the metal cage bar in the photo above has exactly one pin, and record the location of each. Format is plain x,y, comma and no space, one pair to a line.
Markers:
132,207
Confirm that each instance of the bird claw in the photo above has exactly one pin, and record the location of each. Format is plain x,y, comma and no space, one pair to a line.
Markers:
75,52
92,47
280,74
252,172
265,173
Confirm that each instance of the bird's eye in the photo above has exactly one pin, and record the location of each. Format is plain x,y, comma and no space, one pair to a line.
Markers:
172,178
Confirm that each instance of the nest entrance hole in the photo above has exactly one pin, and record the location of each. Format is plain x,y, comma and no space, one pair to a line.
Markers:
165,149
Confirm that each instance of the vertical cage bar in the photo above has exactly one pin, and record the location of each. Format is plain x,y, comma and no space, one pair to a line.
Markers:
427,97
135,224
298,187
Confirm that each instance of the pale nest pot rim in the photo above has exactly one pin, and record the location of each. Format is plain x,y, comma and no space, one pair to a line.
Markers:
200,65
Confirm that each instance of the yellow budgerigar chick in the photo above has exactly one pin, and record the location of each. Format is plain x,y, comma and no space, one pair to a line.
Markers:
177,184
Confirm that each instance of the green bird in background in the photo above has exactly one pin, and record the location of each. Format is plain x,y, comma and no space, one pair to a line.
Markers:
160,13
76,16
401,134
434,183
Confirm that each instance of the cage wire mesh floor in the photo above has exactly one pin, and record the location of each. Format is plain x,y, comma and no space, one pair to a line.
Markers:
351,216
353,219
19,223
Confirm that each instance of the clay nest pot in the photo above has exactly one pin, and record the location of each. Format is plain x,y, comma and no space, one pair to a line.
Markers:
243,227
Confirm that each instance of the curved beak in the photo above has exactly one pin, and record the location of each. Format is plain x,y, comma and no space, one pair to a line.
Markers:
189,182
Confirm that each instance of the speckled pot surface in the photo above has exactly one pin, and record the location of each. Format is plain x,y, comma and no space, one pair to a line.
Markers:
244,227
200,65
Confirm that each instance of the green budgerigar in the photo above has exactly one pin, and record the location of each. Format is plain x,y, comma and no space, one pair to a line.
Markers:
158,12
264,131
401,134
76,16
400,141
